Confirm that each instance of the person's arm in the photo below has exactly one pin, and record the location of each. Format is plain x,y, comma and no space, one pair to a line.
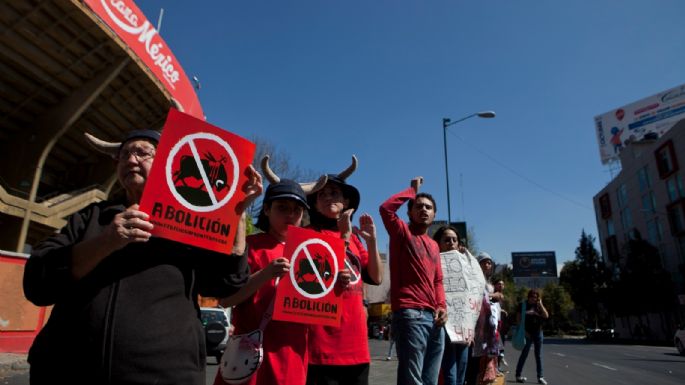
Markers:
388,210
129,226
367,231
253,188
441,311
497,297
276,268
541,310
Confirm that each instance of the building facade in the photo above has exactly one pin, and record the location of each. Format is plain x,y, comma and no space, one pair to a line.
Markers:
647,200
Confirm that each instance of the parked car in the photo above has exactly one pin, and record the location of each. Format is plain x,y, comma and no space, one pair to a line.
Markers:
601,334
679,339
215,322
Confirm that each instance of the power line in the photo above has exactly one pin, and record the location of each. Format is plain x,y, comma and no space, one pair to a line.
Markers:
518,174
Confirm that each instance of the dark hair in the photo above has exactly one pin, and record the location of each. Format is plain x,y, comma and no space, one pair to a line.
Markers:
439,232
533,291
410,204
262,219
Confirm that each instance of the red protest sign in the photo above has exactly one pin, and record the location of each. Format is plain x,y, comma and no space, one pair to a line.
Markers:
307,294
195,183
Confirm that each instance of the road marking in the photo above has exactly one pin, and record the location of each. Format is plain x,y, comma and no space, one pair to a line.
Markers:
634,355
559,354
604,366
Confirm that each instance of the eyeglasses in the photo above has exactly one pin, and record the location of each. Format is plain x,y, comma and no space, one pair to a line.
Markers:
140,154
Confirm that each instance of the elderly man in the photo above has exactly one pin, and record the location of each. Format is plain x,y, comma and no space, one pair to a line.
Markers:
125,303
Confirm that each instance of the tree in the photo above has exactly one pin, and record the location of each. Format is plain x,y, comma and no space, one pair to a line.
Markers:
558,303
280,163
584,278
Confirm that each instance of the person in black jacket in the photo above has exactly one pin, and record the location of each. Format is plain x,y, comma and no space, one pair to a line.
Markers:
125,303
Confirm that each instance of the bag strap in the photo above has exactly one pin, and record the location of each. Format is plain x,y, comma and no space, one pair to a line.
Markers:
266,317
523,312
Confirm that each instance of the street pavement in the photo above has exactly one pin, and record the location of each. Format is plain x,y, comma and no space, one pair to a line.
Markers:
565,362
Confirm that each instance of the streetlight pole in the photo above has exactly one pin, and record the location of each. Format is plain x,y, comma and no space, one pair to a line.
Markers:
446,122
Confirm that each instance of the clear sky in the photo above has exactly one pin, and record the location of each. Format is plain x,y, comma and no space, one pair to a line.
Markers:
327,79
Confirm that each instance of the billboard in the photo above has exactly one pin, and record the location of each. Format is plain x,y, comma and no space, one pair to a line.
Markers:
534,264
655,114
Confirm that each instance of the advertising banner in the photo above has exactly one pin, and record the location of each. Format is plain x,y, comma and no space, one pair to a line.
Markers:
464,289
130,24
655,114
196,182
307,294
534,264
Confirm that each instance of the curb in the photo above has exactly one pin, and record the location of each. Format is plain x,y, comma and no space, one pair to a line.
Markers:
11,364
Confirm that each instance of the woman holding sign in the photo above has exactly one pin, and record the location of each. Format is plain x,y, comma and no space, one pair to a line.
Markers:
456,355
125,302
340,355
284,343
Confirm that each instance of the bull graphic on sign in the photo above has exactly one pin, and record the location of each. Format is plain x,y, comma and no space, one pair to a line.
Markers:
214,169
306,277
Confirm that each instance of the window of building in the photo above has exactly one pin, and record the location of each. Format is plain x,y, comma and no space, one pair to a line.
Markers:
653,232
666,161
605,206
610,227
612,248
643,178
674,186
622,196
648,203
676,217
626,219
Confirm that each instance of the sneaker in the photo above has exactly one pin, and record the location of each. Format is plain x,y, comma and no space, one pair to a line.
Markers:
542,381
520,379
388,358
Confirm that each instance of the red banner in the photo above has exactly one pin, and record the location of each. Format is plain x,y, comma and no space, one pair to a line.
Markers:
196,182
130,24
308,294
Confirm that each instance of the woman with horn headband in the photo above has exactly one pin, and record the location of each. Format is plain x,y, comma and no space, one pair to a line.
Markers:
340,355
284,343
125,303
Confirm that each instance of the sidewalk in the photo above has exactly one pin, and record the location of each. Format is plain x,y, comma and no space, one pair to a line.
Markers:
11,364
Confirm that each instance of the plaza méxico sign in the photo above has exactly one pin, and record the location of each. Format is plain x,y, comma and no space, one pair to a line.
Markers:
129,23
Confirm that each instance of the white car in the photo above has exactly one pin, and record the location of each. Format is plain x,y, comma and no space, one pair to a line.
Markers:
679,340
215,322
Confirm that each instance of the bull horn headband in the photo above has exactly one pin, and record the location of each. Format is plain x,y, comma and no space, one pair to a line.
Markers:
308,188
349,170
105,147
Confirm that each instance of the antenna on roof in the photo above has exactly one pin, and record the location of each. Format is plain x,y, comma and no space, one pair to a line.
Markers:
159,20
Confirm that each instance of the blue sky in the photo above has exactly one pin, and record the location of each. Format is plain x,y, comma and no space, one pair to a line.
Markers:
323,80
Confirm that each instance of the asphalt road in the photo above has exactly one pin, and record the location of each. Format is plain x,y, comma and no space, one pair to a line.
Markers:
565,362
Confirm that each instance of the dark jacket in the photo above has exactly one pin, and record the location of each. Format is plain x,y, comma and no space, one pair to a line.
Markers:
134,318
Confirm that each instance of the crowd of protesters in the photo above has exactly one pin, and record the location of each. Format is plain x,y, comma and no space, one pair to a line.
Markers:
107,276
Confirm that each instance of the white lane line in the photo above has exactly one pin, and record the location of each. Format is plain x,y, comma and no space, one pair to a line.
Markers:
604,366
559,354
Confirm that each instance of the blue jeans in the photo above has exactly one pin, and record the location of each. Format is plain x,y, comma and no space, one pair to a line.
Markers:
535,339
454,363
420,344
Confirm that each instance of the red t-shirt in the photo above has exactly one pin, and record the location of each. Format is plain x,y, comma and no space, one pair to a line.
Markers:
284,343
415,267
347,344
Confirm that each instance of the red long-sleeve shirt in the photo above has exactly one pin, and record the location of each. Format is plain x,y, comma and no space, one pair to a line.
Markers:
415,268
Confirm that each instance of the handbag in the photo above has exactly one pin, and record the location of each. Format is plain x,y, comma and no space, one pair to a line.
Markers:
244,353
519,338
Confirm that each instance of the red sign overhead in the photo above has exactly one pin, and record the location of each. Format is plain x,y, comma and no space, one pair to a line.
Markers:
130,24
308,294
195,183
